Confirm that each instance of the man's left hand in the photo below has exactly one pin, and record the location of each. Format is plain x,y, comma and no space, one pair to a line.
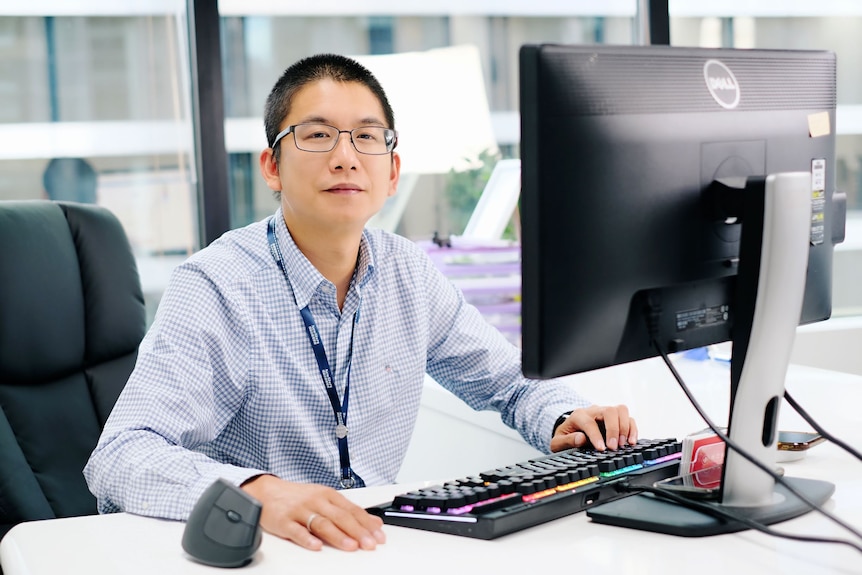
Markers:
584,426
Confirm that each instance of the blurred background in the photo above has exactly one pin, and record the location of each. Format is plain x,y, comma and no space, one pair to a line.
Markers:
153,108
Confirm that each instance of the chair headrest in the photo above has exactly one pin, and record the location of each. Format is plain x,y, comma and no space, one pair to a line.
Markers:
68,272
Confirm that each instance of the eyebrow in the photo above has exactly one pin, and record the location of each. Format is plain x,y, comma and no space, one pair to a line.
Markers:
367,121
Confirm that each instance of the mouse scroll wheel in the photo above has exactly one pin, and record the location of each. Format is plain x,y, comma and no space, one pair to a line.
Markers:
233,516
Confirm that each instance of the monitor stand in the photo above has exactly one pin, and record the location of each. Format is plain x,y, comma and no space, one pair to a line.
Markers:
648,513
773,256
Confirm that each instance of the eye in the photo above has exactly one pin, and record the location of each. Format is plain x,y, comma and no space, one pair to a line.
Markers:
314,132
367,134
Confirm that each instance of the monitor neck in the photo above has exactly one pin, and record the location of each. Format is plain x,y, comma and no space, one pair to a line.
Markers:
773,258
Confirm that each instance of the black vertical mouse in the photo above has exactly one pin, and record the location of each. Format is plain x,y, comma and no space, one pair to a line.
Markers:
223,529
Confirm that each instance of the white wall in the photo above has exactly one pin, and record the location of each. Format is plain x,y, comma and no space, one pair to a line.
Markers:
451,440
835,344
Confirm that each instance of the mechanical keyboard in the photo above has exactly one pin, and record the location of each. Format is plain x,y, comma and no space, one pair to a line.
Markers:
512,498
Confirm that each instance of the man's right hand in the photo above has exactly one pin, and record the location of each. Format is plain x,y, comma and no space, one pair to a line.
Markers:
311,515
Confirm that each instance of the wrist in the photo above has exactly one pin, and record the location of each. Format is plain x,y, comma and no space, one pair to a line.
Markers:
559,422
256,486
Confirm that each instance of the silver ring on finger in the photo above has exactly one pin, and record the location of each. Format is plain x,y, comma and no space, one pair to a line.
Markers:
311,518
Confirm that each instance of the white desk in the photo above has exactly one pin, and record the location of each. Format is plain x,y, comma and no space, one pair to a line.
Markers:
127,544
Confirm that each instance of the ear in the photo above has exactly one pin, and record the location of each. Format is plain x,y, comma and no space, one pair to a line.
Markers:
395,174
269,170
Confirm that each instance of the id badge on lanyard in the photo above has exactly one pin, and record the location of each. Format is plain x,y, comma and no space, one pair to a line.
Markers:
348,478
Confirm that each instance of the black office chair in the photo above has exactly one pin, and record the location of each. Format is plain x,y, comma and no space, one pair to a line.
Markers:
71,320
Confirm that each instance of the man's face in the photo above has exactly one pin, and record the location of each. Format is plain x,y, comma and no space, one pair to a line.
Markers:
340,189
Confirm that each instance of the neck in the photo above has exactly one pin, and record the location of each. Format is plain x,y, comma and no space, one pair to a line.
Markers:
333,254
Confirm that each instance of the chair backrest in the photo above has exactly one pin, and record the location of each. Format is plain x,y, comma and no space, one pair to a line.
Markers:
71,319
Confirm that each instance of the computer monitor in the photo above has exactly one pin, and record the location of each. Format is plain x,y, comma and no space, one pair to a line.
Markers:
680,197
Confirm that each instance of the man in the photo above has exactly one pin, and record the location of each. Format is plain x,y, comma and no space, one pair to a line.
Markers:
269,338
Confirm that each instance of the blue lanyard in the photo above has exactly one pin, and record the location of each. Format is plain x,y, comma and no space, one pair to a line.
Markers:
348,477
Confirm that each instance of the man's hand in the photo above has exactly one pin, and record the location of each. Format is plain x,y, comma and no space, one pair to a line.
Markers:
311,515
582,427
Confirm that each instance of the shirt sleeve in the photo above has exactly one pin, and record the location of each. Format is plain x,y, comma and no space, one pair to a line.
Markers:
186,385
473,360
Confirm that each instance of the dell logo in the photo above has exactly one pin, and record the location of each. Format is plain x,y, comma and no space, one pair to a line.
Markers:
721,83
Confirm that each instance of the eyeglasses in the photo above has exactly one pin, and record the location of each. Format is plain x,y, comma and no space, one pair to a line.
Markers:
372,140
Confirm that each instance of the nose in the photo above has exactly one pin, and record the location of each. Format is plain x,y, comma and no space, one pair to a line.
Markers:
344,154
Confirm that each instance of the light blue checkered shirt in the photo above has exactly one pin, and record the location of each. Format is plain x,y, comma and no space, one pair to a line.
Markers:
226,383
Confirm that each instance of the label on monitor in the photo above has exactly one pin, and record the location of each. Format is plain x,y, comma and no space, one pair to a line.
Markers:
818,201
702,317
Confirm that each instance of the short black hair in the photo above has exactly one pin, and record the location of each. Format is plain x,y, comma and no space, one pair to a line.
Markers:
311,69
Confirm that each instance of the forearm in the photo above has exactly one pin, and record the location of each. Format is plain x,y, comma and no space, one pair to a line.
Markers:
476,363
139,472
532,408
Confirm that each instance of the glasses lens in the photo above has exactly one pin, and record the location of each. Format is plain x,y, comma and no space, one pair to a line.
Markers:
315,137
373,139
323,138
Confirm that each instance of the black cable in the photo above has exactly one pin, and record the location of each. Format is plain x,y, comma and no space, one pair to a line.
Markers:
725,513
820,429
652,312
735,446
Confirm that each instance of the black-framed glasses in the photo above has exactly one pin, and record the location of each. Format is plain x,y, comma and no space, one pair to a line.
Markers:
372,140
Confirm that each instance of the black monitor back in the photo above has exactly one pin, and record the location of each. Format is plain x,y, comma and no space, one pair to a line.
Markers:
619,148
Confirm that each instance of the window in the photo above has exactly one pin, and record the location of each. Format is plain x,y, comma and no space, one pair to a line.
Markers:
261,39
105,88
94,107
826,25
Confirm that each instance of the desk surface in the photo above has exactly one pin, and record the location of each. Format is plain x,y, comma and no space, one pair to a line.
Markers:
123,543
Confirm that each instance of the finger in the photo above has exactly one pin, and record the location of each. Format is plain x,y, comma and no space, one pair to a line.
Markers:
296,532
373,524
611,419
586,422
351,521
329,532
365,521
633,431
369,528
568,440
625,425
622,420
290,527
578,439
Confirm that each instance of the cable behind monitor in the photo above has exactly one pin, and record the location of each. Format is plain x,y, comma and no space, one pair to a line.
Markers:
813,423
666,515
770,282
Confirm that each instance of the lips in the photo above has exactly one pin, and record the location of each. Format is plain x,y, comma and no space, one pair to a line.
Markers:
347,188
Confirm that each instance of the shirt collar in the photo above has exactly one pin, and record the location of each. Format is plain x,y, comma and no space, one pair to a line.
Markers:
365,263
305,279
